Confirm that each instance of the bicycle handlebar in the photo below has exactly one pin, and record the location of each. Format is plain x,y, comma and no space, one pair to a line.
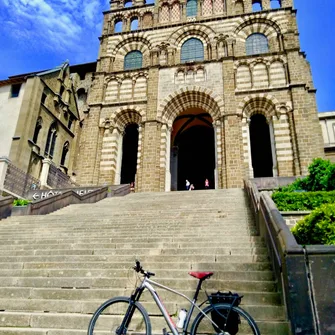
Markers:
138,268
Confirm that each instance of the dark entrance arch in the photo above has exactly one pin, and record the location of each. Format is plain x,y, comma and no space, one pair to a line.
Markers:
129,154
260,143
193,150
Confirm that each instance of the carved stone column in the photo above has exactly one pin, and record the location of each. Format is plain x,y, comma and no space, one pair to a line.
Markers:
4,161
45,172
168,161
119,140
296,162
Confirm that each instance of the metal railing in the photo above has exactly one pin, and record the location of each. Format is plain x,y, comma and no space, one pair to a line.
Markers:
58,179
18,182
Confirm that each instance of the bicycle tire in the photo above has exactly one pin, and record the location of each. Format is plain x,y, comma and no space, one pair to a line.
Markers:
109,316
201,325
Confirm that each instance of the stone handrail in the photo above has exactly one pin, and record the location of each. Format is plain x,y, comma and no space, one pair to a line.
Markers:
53,203
118,191
69,197
6,204
288,261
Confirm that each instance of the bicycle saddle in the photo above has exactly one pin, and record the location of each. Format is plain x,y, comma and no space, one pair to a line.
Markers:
200,275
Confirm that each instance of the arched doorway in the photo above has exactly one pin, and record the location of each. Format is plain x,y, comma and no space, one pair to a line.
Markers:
193,150
129,154
260,142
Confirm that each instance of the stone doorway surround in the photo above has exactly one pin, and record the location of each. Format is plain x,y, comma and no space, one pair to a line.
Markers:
199,124
183,100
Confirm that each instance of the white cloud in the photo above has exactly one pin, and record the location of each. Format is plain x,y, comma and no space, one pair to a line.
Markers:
66,26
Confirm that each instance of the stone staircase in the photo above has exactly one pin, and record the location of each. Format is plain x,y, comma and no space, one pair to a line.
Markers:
55,270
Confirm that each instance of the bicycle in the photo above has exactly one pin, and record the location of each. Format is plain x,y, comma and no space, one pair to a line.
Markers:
126,315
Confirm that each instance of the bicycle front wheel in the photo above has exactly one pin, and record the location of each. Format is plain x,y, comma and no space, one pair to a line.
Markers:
217,321
116,317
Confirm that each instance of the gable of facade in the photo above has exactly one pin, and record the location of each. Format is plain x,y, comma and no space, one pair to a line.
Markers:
11,95
45,124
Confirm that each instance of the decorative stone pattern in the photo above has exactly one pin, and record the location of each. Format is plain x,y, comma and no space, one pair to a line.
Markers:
228,85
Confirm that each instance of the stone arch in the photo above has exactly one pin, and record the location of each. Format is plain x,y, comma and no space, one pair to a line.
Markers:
115,17
188,97
202,32
126,115
260,25
135,42
261,103
273,59
147,19
133,12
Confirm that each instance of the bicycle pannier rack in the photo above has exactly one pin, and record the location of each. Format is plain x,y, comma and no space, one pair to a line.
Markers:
227,320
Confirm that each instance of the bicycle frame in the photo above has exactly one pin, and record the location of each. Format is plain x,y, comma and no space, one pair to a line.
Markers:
147,284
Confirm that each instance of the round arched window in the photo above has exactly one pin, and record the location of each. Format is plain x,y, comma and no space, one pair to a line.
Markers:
118,26
256,44
192,50
133,60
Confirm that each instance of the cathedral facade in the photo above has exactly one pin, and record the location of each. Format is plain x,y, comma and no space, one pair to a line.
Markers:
196,90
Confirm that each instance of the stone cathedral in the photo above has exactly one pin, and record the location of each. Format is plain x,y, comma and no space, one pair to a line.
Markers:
198,89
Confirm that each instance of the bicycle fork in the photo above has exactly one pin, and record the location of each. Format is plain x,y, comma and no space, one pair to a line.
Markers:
130,311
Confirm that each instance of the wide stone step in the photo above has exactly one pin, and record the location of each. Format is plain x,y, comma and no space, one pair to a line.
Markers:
247,285
101,294
136,228
55,270
140,233
97,273
184,266
144,258
80,322
113,245
177,228
89,307
140,251
128,240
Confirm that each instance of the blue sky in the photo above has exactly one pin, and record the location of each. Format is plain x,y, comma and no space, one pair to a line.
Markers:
41,34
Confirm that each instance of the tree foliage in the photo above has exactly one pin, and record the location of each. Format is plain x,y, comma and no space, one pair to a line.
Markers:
318,227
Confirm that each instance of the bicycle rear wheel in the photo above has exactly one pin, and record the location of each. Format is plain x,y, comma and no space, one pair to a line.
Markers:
115,317
238,321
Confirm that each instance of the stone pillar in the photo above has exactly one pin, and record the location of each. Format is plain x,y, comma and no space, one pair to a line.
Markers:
296,162
4,161
307,127
216,129
138,176
234,161
167,162
273,150
233,145
250,167
266,4
45,172
119,141
151,155
89,142
223,173
174,168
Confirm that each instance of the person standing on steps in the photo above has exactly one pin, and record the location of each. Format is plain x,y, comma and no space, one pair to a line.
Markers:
187,185
206,184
